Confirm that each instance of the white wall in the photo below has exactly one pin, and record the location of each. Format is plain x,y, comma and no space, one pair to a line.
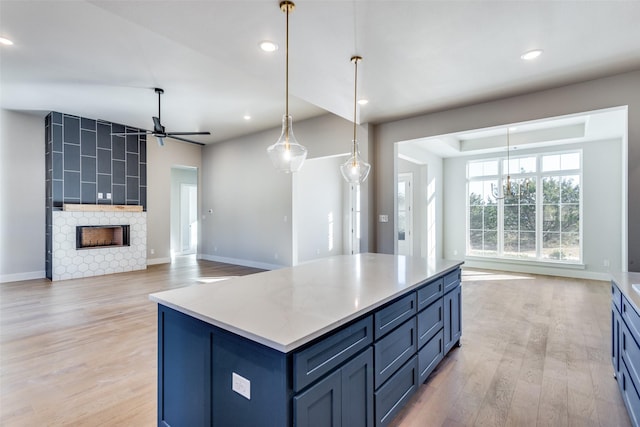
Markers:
601,218
252,204
614,91
22,196
160,160
318,209
430,197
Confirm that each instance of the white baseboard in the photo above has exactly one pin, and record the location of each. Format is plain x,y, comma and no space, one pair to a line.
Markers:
243,262
154,261
544,270
18,277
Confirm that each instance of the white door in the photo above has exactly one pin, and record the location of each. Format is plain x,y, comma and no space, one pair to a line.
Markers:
188,218
405,216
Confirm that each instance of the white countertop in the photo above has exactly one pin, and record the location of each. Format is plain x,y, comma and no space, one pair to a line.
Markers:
284,309
625,282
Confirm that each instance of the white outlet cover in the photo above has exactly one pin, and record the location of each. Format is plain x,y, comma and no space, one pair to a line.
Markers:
99,195
108,196
241,385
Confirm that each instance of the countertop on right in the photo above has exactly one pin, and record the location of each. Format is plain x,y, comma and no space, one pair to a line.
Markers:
626,282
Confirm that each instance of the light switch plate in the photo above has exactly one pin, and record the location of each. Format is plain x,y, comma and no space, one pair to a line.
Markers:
383,218
241,385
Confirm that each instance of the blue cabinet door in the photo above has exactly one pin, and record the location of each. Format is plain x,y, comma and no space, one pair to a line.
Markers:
357,391
321,404
615,339
452,318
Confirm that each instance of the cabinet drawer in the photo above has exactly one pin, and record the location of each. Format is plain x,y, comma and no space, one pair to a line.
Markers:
430,321
430,293
394,350
396,392
631,318
315,361
387,318
629,395
430,355
616,296
451,280
630,353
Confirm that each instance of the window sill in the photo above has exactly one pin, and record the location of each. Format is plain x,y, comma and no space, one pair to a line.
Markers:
551,264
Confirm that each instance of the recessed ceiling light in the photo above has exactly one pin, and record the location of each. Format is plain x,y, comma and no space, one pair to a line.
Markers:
246,117
268,46
5,41
532,54
363,101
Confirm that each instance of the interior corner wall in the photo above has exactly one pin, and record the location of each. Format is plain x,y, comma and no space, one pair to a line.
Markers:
160,161
251,202
22,195
614,91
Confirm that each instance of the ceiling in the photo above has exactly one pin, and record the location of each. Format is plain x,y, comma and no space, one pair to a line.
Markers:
101,59
573,129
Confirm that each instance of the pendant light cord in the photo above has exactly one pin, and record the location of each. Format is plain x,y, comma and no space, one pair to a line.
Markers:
355,103
287,65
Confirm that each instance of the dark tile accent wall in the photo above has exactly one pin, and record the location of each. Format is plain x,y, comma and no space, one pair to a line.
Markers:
84,161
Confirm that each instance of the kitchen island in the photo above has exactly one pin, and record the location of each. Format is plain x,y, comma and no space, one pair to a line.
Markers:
344,340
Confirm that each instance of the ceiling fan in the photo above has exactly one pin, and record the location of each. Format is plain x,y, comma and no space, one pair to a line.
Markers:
159,131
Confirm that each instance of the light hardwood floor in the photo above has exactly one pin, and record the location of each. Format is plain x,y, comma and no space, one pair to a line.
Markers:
535,351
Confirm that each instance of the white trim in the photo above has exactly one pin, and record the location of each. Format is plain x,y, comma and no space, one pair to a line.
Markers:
242,262
19,277
544,270
154,261
530,262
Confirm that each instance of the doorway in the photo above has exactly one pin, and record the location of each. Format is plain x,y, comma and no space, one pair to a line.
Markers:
184,210
405,214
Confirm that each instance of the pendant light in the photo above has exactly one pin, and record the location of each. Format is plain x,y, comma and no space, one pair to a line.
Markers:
494,189
287,155
355,170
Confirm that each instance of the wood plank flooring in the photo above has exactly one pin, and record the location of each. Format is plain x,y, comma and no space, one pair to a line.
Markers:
535,351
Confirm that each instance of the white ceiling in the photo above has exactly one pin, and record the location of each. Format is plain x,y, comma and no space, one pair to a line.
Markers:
573,129
101,59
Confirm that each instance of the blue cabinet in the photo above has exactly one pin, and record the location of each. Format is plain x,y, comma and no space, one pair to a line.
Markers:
625,351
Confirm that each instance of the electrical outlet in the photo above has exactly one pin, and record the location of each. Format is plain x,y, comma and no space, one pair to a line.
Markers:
606,263
108,196
99,195
383,218
152,251
241,385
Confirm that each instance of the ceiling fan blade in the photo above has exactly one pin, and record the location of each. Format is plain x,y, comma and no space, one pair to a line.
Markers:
147,132
189,133
170,135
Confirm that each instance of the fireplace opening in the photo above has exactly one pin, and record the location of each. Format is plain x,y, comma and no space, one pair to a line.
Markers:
101,236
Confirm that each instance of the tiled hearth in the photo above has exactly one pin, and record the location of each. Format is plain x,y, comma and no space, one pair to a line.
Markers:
72,263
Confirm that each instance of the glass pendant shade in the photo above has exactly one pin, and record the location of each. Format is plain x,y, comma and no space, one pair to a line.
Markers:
286,154
355,170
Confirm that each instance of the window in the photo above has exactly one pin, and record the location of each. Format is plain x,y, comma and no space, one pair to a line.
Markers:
534,215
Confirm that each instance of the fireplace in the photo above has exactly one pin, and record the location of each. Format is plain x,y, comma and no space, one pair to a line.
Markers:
101,236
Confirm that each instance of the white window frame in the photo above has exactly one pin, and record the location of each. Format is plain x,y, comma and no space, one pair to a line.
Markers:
538,175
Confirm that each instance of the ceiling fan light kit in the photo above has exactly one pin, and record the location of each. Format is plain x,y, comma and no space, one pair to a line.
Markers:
286,154
355,170
159,131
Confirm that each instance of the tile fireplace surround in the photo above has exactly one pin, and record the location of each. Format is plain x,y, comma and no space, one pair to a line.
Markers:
72,263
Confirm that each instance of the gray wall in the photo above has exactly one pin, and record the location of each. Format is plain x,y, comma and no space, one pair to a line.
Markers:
22,196
318,209
160,161
252,206
622,89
